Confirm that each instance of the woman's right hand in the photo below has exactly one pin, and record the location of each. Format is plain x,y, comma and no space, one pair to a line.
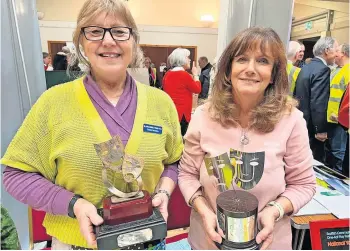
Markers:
86,214
209,220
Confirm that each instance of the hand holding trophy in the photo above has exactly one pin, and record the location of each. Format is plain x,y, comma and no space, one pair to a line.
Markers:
130,221
237,211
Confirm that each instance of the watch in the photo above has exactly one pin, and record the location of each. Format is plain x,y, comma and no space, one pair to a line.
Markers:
71,205
163,191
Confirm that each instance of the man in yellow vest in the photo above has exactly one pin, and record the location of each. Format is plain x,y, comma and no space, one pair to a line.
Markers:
336,135
292,71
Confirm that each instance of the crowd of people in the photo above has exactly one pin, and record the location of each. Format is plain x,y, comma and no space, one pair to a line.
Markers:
256,103
63,60
319,85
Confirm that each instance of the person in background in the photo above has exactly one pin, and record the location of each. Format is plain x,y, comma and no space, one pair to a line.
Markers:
152,71
337,137
250,117
300,63
343,120
47,62
9,235
181,86
204,77
60,62
51,162
312,91
73,62
212,75
292,71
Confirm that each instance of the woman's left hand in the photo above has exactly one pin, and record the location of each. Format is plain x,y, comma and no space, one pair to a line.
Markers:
266,222
160,200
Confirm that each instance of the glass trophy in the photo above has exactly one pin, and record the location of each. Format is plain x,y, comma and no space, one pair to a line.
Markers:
130,221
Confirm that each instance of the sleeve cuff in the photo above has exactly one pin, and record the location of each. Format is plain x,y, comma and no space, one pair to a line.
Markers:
61,202
171,172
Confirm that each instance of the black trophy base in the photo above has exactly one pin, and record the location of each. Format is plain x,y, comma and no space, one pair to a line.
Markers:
228,245
139,234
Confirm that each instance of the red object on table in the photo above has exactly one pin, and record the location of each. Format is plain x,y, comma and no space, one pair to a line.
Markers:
323,234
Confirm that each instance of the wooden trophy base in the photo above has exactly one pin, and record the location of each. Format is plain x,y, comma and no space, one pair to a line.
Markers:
117,210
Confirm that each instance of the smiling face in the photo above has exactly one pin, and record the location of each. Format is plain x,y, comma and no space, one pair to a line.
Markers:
108,57
252,72
300,55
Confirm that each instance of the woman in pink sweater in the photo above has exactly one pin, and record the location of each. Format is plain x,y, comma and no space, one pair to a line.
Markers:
249,118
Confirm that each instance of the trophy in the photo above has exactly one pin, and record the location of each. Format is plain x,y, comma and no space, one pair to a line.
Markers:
237,210
130,221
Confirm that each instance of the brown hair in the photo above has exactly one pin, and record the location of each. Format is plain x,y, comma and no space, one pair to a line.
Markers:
117,8
275,103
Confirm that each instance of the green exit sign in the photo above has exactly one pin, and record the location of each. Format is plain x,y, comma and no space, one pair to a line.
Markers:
308,25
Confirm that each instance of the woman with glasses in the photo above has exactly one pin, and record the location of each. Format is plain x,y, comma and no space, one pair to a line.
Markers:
52,164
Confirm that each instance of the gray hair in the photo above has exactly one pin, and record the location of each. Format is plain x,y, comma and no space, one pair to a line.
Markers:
293,48
345,49
178,57
322,44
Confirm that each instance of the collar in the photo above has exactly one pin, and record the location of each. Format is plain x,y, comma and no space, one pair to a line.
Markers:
178,68
128,94
207,66
323,61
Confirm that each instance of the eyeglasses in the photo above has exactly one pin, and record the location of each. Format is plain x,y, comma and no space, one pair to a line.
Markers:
95,33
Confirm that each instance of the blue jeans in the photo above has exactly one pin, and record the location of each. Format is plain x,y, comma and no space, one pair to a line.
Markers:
337,144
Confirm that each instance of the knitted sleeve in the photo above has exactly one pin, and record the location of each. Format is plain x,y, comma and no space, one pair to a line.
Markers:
174,143
30,148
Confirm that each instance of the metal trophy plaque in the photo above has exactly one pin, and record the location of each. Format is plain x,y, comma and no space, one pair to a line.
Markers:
130,221
237,211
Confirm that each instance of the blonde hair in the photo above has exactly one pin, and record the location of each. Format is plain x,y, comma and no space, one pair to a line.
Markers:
275,103
117,8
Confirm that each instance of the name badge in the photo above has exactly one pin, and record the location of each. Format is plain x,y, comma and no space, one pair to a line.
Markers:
152,129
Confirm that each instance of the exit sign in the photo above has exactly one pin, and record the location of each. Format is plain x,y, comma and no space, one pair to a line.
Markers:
308,25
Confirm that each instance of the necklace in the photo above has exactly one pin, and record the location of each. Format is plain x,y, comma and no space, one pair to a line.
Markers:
244,138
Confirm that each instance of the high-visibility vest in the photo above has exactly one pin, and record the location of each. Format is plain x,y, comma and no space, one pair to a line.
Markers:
339,82
293,73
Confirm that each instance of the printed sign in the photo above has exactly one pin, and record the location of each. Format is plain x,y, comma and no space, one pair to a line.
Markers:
330,234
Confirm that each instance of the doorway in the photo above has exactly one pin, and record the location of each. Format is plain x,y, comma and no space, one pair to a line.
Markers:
309,45
160,53
55,46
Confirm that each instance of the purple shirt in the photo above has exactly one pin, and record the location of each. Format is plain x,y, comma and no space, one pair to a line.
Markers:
35,190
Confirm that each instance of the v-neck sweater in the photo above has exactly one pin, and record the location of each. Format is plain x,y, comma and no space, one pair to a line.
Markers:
57,144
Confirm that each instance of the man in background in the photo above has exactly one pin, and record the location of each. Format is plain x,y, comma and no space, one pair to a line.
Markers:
292,71
204,77
337,137
312,91
300,63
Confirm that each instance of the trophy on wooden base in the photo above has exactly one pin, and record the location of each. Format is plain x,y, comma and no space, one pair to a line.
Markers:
130,221
237,211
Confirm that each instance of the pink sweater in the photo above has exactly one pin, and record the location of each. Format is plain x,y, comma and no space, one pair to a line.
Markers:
285,167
